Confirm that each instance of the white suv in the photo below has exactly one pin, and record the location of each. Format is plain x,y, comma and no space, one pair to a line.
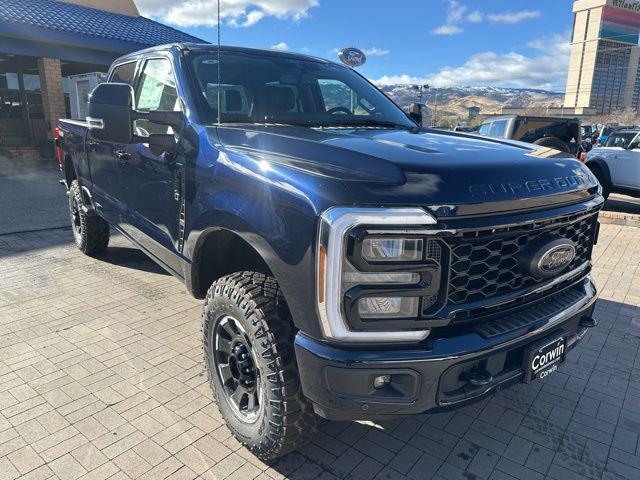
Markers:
617,163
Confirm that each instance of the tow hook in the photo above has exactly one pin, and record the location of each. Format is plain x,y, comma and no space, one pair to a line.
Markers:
588,322
477,378
585,324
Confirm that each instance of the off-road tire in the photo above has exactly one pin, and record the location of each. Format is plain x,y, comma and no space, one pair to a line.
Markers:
286,420
606,187
553,142
91,233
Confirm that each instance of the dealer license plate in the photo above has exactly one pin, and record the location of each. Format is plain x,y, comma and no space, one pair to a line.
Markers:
544,357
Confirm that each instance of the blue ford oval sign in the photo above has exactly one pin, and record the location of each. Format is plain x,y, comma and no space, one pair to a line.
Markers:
352,57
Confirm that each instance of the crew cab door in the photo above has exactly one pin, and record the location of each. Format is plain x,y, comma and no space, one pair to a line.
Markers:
107,189
620,160
153,181
627,168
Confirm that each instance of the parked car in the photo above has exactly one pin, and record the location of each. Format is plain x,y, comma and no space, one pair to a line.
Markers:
353,265
559,133
616,165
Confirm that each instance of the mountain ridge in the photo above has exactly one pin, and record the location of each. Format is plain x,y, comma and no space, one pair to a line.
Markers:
456,101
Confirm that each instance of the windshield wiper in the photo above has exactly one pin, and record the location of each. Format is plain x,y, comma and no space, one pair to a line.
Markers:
370,122
295,122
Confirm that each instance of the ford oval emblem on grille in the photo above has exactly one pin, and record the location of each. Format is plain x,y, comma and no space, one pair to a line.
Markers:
556,258
548,256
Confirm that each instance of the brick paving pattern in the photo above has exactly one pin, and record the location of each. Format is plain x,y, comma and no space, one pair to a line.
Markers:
101,376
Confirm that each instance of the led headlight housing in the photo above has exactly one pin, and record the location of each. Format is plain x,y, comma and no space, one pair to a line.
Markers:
379,272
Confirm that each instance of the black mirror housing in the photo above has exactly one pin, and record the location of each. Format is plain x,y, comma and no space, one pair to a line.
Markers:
111,113
415,113
416,117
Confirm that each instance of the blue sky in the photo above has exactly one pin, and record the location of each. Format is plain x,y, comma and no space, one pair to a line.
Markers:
442,42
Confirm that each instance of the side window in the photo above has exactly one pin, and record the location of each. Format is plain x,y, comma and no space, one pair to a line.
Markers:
484,129
499,129
338,95
156,91
123,73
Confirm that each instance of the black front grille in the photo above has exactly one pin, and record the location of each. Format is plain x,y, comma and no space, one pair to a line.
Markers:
484,263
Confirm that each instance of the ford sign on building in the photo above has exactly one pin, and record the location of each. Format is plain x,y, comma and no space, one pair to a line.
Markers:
352,57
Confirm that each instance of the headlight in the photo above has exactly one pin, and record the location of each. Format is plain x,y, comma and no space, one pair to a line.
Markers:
376,273
391,249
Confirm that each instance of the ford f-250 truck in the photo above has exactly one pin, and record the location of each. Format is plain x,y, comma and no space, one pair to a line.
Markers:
353,264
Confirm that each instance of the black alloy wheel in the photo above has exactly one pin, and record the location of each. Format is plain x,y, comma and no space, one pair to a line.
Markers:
237,369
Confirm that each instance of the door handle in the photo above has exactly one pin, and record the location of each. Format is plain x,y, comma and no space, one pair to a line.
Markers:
123,156
93,145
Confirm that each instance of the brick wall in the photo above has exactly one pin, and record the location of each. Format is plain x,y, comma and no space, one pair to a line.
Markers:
52,93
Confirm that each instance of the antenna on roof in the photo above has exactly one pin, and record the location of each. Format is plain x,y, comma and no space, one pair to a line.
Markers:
219,68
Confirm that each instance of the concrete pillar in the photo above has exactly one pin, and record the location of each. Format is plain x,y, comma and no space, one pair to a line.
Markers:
52,93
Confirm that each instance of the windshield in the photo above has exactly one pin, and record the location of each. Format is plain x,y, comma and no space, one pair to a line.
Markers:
620,139
272,89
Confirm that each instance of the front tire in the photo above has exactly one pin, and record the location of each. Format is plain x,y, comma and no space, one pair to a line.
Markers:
248,340
91,233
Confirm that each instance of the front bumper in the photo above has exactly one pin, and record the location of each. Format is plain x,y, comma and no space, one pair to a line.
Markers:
339,380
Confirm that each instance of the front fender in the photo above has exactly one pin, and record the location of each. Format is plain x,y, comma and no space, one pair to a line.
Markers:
273,208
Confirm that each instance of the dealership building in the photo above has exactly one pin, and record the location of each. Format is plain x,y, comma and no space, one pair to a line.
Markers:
604,72
44,42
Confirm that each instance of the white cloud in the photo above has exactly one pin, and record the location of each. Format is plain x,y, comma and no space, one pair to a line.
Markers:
513,17
282,46
375,52
475,17
456,12
447,30
508,69
459,14
557,45
234,13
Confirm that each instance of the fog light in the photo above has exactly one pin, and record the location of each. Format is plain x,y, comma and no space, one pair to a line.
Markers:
388,307
381,381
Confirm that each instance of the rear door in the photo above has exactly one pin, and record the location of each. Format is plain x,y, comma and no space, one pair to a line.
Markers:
620,160
153,182
107,191
627,172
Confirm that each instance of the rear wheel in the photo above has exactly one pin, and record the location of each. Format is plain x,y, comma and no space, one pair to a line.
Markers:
91,233
248,348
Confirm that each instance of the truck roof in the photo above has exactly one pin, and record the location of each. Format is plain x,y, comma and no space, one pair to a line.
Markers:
224,48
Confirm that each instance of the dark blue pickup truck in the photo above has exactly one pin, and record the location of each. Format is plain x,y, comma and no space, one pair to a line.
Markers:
354,265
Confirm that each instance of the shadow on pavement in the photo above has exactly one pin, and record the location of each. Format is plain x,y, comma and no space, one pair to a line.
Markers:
31,196
130,257
623,204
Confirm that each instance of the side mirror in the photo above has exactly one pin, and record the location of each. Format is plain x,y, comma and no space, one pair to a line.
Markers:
415,113
416,117
111,113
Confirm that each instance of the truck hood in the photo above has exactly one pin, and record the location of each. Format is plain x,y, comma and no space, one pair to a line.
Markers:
451,173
